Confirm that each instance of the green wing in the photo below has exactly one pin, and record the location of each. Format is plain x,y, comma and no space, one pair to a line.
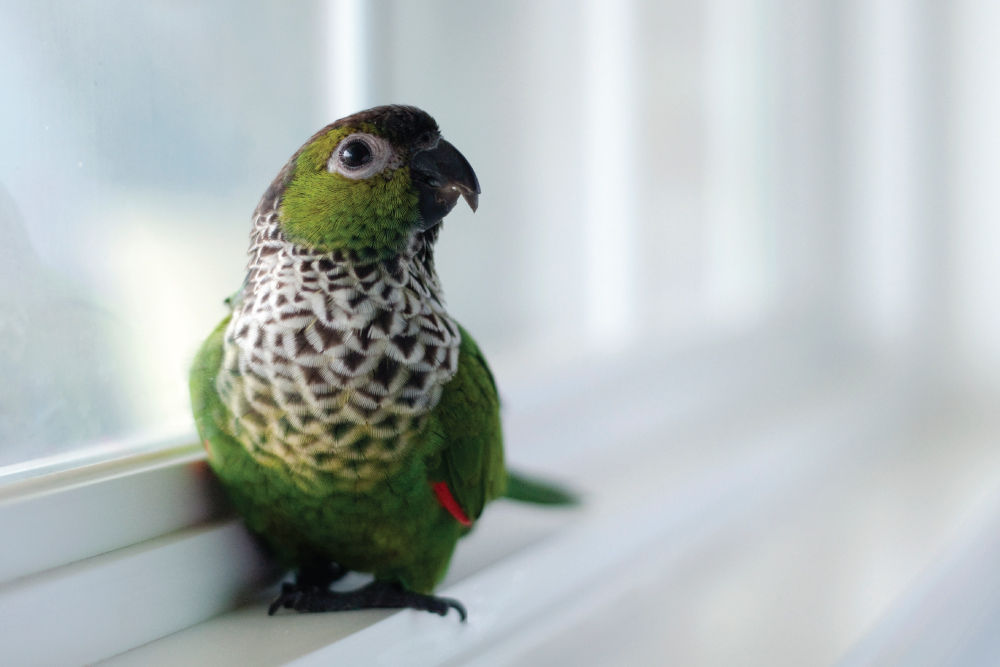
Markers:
468,421
209,412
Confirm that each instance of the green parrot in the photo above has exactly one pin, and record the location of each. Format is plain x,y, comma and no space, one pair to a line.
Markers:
354,424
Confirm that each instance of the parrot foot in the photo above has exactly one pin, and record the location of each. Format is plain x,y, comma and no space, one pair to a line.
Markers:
319,575
376,595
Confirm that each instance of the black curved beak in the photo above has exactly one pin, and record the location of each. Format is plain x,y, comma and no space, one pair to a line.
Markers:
441,175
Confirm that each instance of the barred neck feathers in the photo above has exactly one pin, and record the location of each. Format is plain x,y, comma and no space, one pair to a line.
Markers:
331,363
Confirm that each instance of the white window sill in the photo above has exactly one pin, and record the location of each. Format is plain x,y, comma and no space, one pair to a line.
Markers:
792,505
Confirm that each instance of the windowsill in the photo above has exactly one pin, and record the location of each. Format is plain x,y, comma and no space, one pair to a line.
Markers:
795,503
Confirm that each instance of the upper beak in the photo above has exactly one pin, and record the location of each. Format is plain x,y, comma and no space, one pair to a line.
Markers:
441,175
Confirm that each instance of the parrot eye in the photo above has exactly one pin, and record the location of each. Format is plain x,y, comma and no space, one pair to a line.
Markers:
355,155
360,156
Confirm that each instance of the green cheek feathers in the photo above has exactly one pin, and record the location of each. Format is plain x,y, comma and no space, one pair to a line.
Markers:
328,211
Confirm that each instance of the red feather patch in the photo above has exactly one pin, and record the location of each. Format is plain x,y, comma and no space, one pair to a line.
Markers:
448,502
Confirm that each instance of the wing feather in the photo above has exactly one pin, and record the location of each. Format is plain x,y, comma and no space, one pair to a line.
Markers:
468,421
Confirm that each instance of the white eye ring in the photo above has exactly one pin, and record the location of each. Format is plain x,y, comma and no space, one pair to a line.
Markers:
359,156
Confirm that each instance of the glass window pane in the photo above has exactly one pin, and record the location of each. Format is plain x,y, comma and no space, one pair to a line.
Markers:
137,138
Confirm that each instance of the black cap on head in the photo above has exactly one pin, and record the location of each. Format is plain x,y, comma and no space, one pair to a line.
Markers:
402,125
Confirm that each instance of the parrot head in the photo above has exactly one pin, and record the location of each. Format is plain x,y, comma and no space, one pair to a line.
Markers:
367,182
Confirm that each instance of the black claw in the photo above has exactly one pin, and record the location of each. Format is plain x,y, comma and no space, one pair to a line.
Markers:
456,605
279,601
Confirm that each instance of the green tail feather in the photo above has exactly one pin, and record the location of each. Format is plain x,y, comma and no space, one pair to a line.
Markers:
529,490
